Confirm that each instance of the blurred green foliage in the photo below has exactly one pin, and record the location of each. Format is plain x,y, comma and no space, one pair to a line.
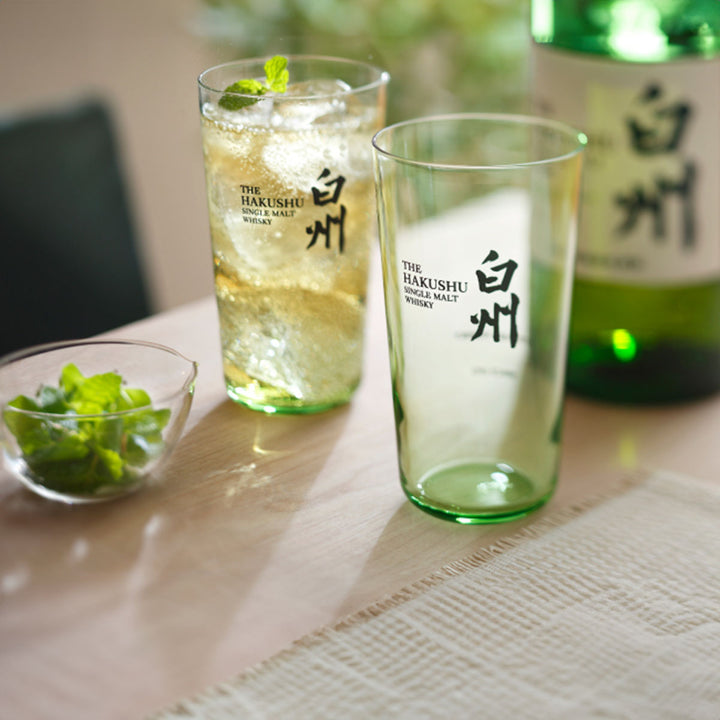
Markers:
442,55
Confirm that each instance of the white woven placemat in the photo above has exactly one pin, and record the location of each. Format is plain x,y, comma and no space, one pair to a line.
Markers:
611,614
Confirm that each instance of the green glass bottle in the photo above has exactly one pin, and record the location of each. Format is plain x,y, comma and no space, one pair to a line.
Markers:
642,79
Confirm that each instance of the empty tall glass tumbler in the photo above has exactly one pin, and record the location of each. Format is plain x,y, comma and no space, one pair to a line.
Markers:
477,217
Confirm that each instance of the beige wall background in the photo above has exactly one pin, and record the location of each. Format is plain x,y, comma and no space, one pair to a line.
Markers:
143,58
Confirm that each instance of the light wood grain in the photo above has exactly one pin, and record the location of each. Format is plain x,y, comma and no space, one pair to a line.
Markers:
263,529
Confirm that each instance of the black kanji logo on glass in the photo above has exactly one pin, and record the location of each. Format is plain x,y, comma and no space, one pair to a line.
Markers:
328,194
490,283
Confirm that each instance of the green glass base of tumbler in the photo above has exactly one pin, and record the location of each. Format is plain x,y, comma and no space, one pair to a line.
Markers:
476,493
269,400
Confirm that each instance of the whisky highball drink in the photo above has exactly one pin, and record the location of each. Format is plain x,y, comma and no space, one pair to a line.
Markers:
292,218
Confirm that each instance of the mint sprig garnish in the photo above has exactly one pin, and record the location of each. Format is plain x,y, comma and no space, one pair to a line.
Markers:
276,74
75,448
276,80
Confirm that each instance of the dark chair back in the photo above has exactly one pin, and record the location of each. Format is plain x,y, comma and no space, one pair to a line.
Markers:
69,267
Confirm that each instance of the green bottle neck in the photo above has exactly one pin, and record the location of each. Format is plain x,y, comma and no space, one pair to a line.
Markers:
630,30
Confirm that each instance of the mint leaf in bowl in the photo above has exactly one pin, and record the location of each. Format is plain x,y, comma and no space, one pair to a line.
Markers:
87,434
92,435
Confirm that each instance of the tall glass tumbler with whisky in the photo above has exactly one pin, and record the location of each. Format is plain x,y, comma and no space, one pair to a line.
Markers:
292,219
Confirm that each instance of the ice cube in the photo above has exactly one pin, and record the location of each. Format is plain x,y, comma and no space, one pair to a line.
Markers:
258,114
311,102
317,88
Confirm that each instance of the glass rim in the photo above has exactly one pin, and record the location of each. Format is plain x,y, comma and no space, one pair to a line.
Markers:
383,77
509,118
35,350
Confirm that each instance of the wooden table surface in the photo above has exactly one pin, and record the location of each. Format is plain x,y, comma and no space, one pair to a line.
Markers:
264,528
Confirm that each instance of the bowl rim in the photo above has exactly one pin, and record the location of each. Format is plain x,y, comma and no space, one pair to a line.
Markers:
188,385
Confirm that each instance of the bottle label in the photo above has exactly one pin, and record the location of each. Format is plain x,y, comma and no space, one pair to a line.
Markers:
651,188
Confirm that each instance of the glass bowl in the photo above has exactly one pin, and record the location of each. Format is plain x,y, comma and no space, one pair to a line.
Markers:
90,420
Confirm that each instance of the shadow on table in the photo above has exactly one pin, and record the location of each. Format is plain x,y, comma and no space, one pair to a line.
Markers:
176,550
414,544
